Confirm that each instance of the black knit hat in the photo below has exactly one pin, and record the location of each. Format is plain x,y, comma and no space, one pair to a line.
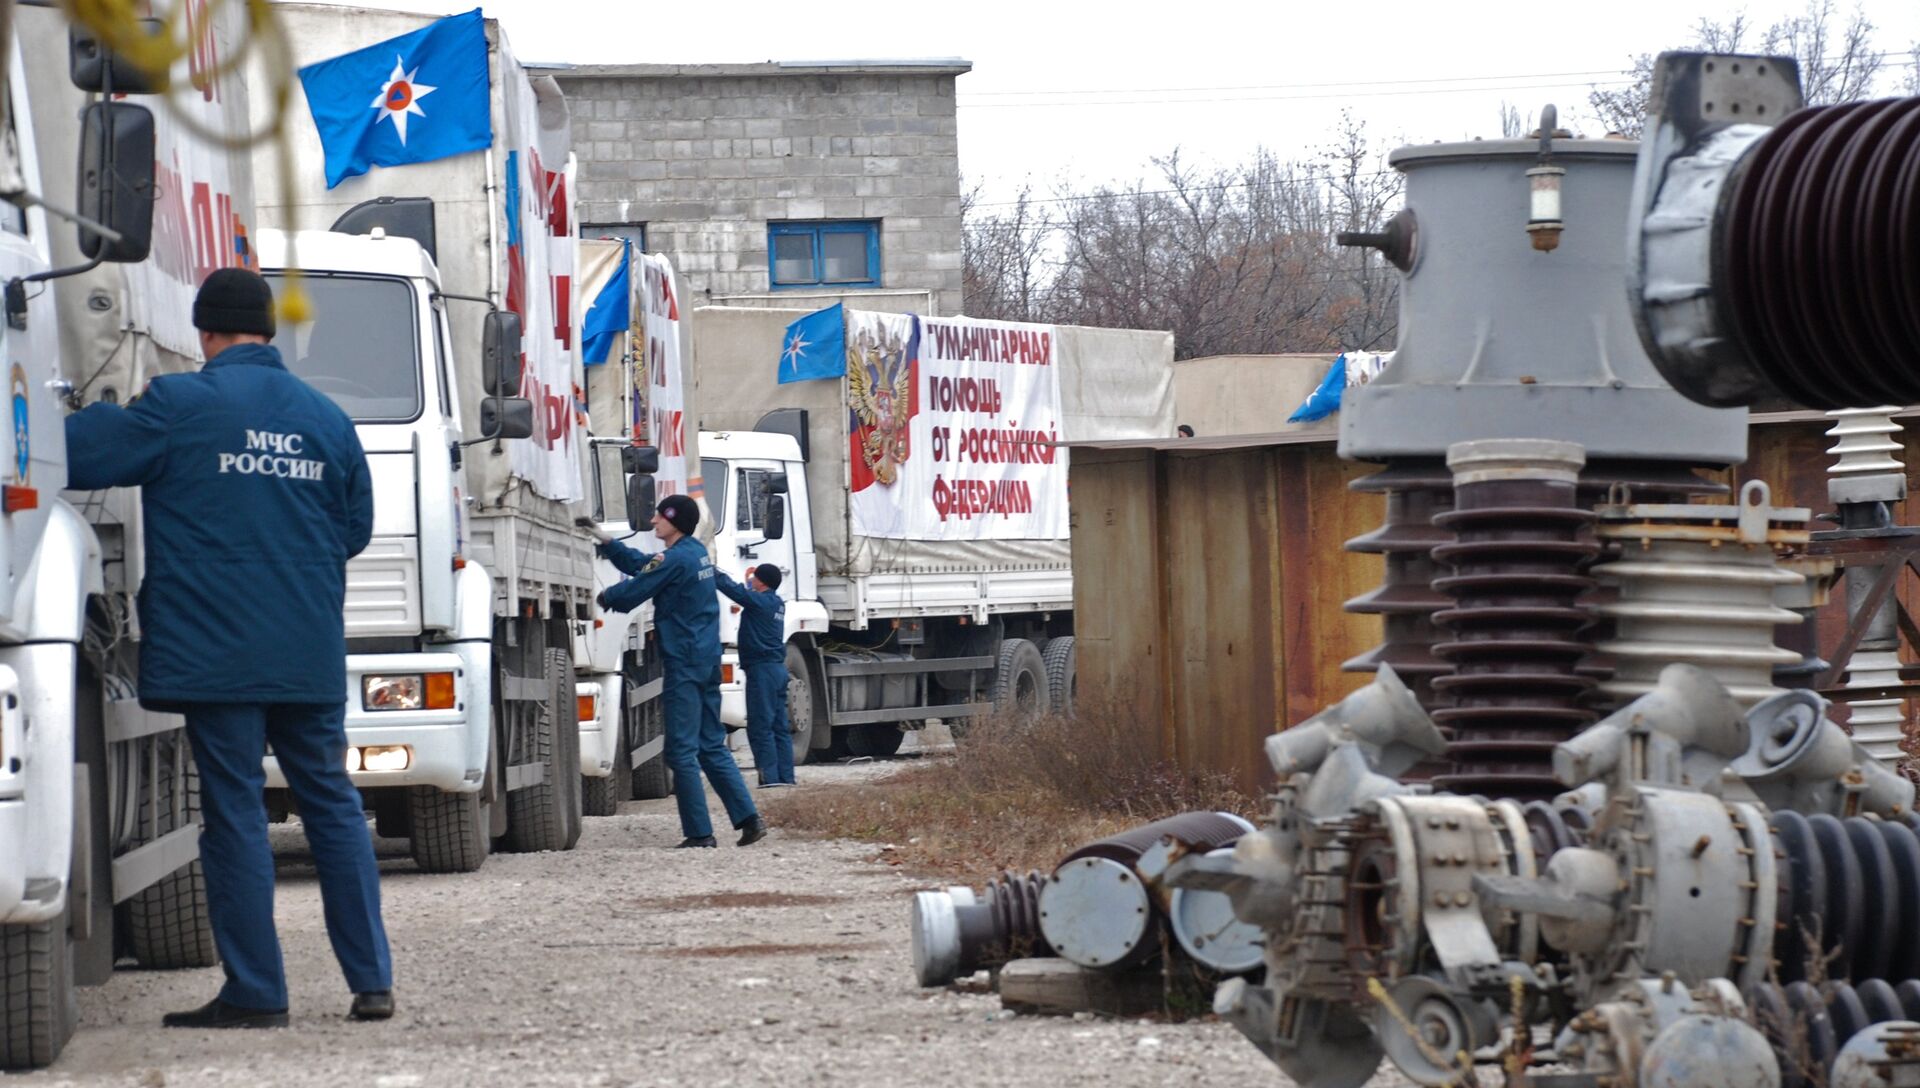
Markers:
768,574
681,512
234,300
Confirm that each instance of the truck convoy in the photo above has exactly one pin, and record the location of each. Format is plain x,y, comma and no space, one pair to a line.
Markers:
916,508
99,840
444,323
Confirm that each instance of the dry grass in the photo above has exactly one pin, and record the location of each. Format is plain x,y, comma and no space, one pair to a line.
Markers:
1017,794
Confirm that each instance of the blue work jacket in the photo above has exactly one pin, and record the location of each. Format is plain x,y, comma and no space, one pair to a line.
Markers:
255,493
763,622
679,582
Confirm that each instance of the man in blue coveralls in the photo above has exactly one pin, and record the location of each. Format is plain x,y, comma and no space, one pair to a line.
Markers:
686,619
763,653
255,495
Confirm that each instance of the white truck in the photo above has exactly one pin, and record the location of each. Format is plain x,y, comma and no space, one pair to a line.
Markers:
640,403
99,837
884,633
431,284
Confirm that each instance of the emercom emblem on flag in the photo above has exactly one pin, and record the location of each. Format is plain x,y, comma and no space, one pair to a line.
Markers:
815,346
368,105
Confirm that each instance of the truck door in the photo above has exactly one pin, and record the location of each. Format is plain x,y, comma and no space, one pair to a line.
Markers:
763,523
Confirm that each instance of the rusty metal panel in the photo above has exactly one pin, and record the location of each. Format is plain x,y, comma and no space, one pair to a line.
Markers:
1223,609
1321,514
1117,615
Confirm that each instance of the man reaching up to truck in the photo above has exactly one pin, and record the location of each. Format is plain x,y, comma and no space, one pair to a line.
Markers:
255,495
763,653
686,618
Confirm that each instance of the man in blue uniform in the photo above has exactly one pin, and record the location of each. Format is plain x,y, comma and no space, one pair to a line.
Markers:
686,620
763,653
255,495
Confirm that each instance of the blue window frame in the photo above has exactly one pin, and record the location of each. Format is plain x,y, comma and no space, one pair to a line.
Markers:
824,253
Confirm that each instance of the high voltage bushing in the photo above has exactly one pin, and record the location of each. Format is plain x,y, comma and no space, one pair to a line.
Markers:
1696,586
1415,493
1775,249
1864,479
1853,886
956,933
1821,1027
1512,635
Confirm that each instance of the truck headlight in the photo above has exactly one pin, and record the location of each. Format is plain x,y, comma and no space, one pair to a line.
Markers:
380,757
408,691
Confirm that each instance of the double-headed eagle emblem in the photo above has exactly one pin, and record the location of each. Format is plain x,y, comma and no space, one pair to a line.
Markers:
879,390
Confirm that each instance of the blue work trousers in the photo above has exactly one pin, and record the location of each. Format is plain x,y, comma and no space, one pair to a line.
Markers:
310,741
696,741
769,733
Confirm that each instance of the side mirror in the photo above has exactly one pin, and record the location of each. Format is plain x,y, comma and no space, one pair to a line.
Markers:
640,502
500,353
116,180
641,459
506,417
776,519
776,483
98,70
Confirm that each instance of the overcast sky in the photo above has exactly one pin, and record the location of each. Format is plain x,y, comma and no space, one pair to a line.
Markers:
1216,79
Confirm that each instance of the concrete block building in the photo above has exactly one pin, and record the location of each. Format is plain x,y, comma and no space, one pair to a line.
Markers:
781,184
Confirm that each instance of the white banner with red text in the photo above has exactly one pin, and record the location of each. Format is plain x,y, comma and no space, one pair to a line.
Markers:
950,425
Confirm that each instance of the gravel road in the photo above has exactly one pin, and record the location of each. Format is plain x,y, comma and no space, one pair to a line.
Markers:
627,963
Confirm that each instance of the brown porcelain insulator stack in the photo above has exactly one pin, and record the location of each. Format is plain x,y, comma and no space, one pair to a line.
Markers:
1415,491
1513,636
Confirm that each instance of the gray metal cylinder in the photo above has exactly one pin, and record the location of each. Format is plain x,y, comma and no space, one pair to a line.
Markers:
1500,340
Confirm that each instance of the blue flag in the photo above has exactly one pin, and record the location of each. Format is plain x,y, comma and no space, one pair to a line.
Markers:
607,315
1324,400
815,347
415,98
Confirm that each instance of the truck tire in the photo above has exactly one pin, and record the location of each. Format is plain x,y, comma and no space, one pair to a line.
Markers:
166,924
1020,681
801,705
538,816
36,992
650,779
874,740
1062,683
449,830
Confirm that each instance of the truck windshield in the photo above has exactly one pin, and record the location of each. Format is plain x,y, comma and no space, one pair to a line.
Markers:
362,348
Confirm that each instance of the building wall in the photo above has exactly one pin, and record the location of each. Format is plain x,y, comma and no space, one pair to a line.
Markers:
707,161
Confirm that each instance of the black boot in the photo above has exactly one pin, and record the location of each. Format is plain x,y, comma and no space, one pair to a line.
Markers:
694,844
219,1014
372,1005
752,831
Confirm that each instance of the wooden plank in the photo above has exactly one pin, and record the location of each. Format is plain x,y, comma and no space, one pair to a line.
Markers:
1060,988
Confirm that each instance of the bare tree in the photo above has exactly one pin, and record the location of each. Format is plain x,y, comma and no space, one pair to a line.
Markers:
1913,70
1004,256
1513,123
1232,260
1838,63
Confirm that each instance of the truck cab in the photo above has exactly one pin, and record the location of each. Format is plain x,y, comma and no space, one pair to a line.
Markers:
756,487
419,659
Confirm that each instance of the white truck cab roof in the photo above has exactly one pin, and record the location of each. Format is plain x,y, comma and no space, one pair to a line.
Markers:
376,254
748,446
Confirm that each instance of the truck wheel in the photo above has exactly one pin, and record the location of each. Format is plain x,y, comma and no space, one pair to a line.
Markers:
36,992
874,739
800,704
650,779
547,816
1062,684
166,924
449,830
1020,682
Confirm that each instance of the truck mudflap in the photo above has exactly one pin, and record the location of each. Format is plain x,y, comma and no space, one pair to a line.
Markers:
36,829
600,729
444,747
